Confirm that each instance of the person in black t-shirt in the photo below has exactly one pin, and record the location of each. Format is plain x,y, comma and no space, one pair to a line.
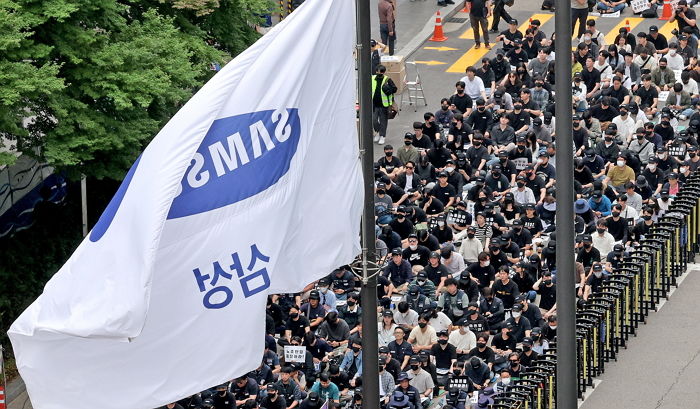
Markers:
444,191
548,294
461,100
505,288
297,324
482,351
273,400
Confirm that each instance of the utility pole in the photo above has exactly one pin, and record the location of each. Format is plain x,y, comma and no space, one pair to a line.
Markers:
567,394
370,354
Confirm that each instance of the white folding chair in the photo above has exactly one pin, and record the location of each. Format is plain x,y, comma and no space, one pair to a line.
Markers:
414,89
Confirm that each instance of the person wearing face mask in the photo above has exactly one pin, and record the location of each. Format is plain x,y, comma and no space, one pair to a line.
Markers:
352,361
500,66
619,174
664,202
464,339
594,283
420,379
297,325
416,254
471,246
673,186
482,271
223,399
588,255
625,124
417,296
445,355
487,76
641,146
675,60
273,400
643,226
662,76
461,100
602,240
444,115
544,166
617,225
515,367
503,344
666,162
408,152
389,164
516,55
386,381
503,383
351,312
519,325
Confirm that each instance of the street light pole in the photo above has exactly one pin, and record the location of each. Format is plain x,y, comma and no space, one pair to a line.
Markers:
370,365
567,394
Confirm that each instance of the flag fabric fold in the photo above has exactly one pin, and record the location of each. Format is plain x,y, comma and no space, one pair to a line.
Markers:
254,187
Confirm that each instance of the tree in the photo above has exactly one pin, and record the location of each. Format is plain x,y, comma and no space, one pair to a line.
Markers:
105,76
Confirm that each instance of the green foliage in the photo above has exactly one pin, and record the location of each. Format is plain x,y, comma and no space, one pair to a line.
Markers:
98,78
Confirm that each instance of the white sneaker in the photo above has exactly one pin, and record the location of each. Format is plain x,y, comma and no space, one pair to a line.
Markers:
376,136
381,140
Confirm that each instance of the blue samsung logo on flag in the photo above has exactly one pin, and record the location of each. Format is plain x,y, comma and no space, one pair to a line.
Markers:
239,157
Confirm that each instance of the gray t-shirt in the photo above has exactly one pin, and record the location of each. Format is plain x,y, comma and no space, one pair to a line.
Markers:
421,381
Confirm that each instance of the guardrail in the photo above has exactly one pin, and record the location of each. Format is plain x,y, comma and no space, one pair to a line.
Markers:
611,316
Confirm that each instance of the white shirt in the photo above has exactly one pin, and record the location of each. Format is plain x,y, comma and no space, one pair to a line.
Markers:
409,319
606,71
675,62
409,182
473,88
456,263
464,342
441,323
604,244
691,87
523,197
625,126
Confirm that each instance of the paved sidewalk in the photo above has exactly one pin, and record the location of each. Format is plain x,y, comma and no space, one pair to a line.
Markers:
660,368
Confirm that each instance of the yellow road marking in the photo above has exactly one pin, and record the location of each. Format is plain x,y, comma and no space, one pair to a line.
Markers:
441,48
471,57
634,22
430,62
667,28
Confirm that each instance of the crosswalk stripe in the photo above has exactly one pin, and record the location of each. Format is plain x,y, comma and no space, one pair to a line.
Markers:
471,57
634,22
469,34
576,25
667,28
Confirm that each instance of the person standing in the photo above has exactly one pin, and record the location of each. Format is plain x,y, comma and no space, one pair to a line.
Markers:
579,11
383,89
478,13
499,10
386,23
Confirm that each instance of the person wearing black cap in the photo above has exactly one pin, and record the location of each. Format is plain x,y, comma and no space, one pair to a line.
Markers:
313,309
666,162
244,388
445,192
641,146
398,271
588,255
520,325
312,401
478,372
516,55
223,399
595,280
416,254
273,399
508,36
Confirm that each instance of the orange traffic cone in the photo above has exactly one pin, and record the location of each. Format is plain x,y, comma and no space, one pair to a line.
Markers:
437,33
627,26
666,13
530,26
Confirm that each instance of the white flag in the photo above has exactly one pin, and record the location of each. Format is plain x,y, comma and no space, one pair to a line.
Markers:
253,187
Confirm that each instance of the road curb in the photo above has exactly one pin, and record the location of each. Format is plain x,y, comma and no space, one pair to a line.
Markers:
427,31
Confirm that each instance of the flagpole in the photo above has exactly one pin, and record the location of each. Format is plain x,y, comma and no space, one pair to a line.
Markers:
566,385
370,370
